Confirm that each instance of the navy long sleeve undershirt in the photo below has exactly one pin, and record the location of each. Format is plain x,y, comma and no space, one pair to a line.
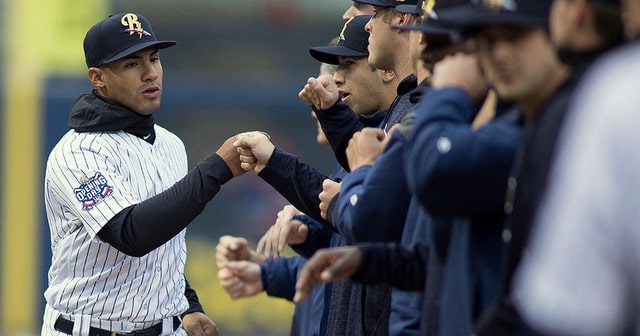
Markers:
143,227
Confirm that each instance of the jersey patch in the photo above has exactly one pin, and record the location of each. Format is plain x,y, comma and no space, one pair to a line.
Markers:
93,191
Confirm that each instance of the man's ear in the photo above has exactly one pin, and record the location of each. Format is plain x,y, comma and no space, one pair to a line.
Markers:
388,76
95,77
406,20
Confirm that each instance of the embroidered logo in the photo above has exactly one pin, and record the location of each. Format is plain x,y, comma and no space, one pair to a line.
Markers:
427,8
92,191
130,20
345,28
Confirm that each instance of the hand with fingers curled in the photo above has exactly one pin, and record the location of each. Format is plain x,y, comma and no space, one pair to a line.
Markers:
199,324
241,279
321,92
254,149
330,189
229,154
365,146
285,230
230,248
327,265
461,70
239,267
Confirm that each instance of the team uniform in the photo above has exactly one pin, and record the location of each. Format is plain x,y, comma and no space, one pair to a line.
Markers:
117,167
86,175
90,177
118,198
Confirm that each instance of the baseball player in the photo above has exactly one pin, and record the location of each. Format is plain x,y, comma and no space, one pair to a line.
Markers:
118,198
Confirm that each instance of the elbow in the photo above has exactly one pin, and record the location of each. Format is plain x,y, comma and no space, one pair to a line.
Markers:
137,254
133,252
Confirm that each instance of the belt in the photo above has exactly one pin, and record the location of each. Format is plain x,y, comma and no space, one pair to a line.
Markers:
66,327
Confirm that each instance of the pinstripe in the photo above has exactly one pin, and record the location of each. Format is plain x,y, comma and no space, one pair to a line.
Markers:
88,276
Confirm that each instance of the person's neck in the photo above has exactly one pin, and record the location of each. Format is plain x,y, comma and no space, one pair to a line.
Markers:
583,55
422,73
532,104
403,68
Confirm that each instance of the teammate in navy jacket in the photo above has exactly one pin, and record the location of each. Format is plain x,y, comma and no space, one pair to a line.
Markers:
444,148
369,91
447,114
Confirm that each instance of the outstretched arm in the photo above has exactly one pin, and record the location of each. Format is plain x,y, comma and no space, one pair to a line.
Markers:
141,228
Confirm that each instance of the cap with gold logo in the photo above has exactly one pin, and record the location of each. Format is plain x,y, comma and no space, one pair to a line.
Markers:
431,23
118,36
354,40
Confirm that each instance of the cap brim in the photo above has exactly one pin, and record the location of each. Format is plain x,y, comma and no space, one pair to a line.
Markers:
409,9
138,47
331,54
430,27
465,18
433,30
375,3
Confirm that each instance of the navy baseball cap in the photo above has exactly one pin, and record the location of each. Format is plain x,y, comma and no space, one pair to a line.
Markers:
118,36
403,6
479,13
431,23
353,42
419,8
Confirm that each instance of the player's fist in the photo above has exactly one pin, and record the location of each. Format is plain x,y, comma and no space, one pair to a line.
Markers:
321,92
330,189
230,248
254,150
230,156
199,324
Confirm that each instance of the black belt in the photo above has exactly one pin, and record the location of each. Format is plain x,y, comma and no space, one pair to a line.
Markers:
66,327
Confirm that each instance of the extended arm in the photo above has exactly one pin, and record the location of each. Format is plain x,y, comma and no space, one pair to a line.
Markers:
140,228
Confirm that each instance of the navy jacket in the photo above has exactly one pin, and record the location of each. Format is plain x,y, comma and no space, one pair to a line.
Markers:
373,200
375,205
462,173
529,177
356,309
279,280
366,311
339,122
300,184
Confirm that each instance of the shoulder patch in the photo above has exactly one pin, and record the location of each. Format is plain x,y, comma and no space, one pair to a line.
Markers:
92,191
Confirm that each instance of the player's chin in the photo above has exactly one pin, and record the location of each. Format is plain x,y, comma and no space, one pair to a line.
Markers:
148,107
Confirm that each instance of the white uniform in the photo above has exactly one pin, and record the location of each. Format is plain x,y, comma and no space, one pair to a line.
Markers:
90,177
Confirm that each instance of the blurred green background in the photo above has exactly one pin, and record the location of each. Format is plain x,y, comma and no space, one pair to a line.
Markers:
238,66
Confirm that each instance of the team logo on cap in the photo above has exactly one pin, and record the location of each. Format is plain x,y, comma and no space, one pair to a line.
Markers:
427,7
134,26
345,28
92,191
498,5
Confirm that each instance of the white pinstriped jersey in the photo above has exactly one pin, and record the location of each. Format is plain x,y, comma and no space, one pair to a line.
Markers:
89,178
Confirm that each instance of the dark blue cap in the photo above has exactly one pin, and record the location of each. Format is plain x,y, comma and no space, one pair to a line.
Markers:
403,6
353,42
431,23
479,13
417,9
118,36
